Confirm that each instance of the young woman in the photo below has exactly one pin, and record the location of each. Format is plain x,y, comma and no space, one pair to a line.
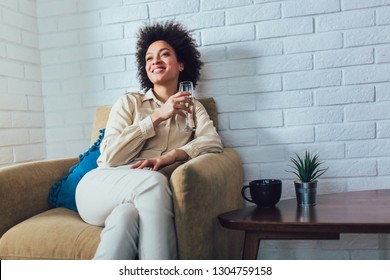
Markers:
129,192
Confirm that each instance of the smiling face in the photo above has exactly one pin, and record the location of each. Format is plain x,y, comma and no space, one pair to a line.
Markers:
162,66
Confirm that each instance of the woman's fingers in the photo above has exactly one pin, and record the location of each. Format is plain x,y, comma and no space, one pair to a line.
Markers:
177,104
151,163
181,97
182,107
140,164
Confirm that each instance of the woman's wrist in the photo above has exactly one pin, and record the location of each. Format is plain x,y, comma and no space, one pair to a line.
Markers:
156,119
179,155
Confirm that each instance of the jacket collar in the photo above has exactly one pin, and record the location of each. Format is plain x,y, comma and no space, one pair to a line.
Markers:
149,95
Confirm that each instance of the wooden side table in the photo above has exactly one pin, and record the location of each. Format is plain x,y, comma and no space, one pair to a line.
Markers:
348,212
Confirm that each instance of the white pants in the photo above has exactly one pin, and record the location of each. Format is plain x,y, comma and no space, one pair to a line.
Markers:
135,208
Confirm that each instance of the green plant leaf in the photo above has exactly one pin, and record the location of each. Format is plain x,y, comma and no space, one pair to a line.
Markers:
307,168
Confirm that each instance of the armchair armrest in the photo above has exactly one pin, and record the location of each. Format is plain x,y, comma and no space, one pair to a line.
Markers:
203,188
24,189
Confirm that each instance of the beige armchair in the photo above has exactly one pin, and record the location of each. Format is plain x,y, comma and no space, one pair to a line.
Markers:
202,188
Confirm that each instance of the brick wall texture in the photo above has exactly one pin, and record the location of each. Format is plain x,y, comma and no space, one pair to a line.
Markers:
287,76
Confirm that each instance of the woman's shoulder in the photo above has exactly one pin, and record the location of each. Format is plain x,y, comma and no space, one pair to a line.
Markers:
132,97
129,100
134,94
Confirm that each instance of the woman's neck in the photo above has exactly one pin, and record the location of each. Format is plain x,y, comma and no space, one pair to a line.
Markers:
164,92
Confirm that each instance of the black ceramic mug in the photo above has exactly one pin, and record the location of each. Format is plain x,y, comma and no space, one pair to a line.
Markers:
264,192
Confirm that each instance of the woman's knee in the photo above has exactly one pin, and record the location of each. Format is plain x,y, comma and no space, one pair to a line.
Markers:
155,182
161,184
160,178
155,191
125,215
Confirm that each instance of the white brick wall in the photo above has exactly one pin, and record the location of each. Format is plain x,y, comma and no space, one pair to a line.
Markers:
286,75
22,119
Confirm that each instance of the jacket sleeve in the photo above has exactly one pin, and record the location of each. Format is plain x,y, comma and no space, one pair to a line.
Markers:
206,138
125,134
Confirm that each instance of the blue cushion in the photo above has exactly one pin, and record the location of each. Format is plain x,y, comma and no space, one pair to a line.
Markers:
62,193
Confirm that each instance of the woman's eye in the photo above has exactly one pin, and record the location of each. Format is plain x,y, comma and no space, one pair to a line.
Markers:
165,54
148,58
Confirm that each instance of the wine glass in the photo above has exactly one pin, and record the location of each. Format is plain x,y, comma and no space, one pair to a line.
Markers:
187,86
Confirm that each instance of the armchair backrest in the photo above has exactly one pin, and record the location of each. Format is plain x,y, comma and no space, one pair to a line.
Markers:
102,113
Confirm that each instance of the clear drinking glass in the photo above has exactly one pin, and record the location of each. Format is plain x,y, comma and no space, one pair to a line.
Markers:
187,86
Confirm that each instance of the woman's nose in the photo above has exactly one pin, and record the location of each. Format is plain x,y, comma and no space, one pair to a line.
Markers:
156,60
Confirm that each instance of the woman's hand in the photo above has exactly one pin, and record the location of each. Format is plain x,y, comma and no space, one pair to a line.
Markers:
157,163
173,106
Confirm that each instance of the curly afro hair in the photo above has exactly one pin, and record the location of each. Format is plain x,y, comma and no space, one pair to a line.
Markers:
181,41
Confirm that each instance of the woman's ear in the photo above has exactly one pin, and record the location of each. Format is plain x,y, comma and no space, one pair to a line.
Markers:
181,66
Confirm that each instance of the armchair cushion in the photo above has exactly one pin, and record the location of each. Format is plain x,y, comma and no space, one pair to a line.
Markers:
57,234
62,193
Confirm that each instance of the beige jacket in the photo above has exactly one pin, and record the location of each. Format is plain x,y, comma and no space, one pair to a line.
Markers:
130,134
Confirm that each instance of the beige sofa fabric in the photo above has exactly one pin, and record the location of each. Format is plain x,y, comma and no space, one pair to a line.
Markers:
202,188
24,189
55,234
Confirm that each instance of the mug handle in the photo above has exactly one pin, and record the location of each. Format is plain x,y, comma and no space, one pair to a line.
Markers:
243,194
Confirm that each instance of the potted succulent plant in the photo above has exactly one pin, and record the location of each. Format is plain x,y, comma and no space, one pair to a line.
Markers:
308,170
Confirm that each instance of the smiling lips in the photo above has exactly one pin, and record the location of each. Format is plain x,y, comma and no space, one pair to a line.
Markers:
158,70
